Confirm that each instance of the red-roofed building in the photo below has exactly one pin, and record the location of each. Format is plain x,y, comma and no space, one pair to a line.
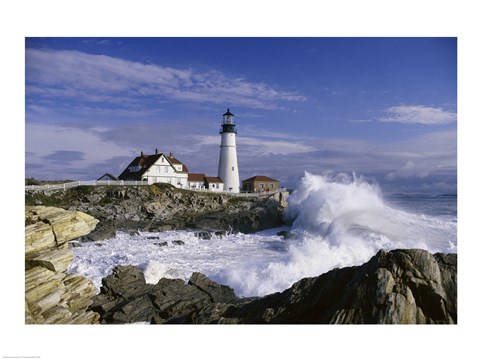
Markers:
157,168
196,181
213,183
259,183
162,168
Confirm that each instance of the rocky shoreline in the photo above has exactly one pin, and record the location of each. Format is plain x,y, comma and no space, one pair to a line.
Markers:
161,207
395,287
53,296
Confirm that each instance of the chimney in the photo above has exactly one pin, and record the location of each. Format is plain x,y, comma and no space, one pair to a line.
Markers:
141,153
171,154
156,151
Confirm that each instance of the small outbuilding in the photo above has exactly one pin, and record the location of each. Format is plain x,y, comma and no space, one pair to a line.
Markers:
196,181
214,183
259,183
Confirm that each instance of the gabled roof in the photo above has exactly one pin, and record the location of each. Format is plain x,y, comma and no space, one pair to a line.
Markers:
196,177
259,178
213,179
175,161
145,162
108,175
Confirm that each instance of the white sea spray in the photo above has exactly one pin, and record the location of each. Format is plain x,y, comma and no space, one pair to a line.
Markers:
337,221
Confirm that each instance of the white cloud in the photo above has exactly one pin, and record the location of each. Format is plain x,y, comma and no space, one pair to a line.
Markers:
253,146
44,141
418,115
78,75
409,169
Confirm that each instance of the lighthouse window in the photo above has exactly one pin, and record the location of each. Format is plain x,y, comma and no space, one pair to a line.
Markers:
233,168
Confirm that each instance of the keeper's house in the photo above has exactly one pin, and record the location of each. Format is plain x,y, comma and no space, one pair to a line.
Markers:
157,168
259,183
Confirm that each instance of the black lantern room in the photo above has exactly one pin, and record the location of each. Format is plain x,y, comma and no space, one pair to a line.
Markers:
228,123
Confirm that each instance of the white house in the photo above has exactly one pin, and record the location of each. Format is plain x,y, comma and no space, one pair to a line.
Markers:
196,181
213,183
157,168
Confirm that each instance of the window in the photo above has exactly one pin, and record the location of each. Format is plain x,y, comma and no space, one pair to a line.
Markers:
233,168
262,186
271,186
163,160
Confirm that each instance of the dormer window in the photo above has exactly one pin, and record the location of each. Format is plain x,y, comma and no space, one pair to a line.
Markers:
134,168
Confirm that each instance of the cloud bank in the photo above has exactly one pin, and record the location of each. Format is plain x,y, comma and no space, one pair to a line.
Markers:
418,115
100,78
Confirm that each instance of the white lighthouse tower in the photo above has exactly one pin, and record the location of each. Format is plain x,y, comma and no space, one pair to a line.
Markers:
228,165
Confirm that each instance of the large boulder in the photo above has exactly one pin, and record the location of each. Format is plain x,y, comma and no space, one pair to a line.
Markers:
126,298
52,296
396,287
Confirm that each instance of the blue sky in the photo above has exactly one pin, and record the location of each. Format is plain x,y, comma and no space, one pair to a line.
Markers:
384,108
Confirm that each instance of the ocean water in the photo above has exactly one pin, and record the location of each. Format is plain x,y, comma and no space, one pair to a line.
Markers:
336,221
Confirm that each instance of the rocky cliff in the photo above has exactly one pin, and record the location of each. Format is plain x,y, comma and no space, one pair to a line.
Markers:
52,296
396,287
162,207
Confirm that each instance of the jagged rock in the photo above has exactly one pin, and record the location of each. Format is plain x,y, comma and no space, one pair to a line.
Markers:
174,299
104,230
51,295
38,236
126,298
401,286
205,235
217,293
125,281
159,208
163,243
66,225
396,287
56,259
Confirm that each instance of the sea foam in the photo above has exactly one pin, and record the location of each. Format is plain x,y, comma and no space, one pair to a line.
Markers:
341,221
337,221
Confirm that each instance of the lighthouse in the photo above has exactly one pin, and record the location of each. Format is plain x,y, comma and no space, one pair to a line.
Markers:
227,164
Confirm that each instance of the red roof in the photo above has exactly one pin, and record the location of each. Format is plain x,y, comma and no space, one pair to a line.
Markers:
175,161
213,179
196,177
259,178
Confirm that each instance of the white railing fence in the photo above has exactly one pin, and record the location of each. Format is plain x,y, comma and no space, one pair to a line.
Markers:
73,184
